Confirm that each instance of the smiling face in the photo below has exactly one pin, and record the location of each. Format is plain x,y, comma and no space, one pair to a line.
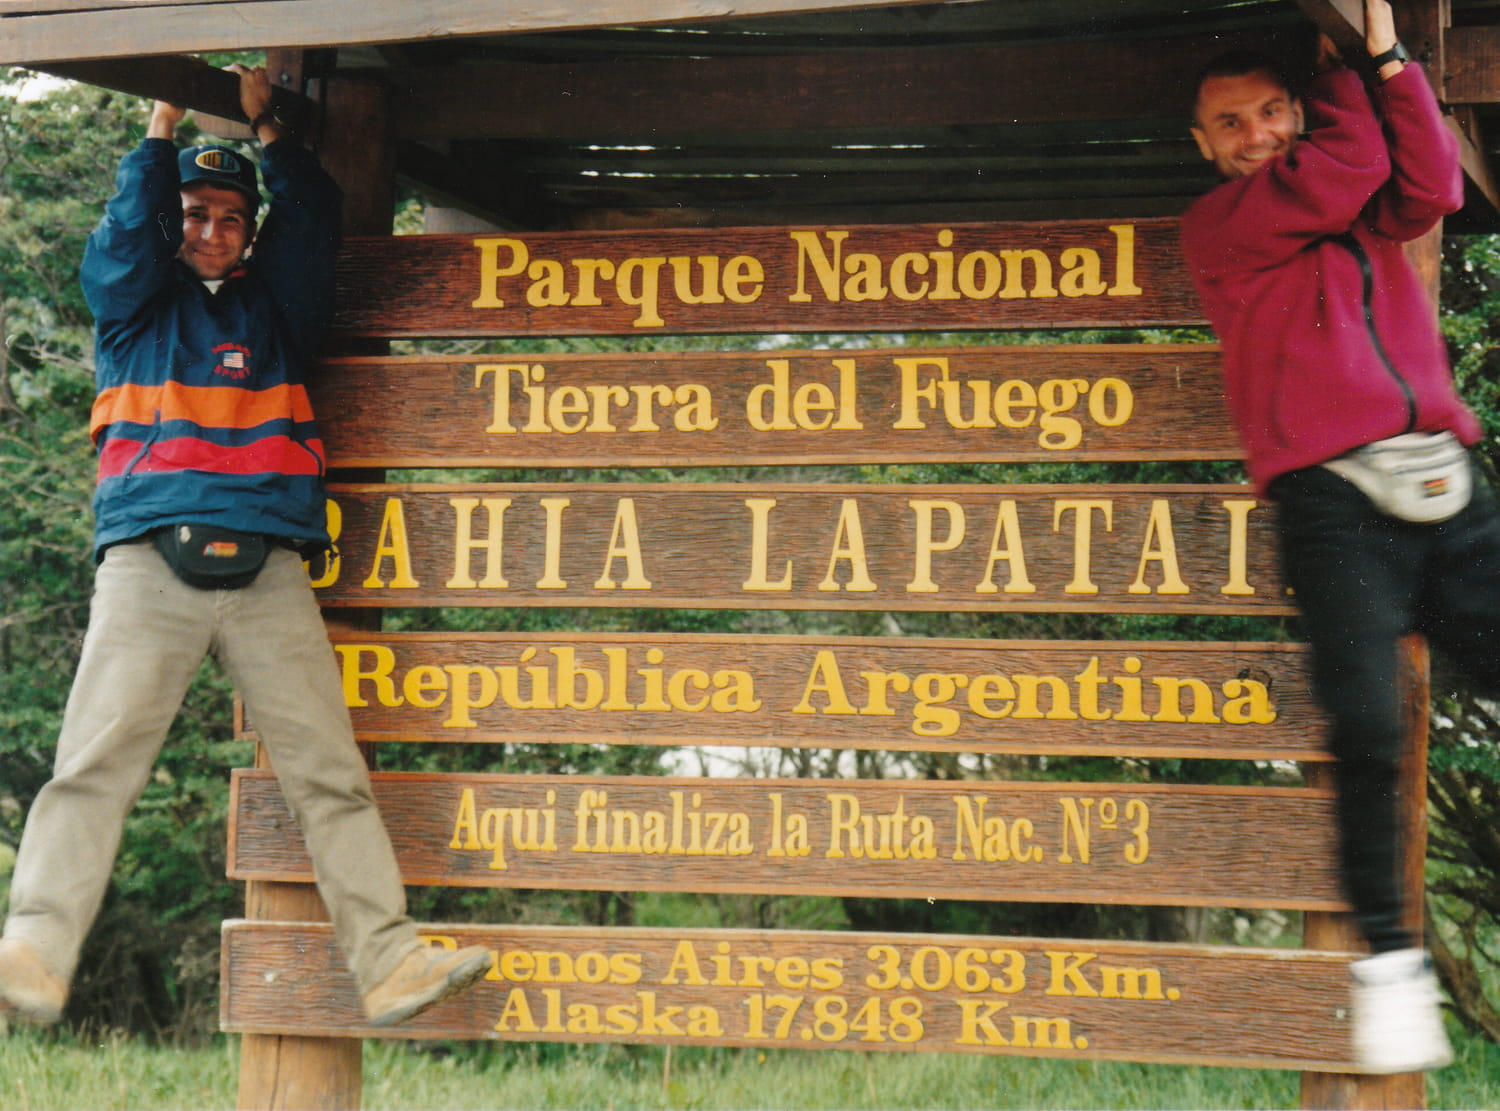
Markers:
217,226
1245,120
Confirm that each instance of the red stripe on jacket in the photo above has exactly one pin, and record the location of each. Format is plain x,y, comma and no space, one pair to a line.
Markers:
274,454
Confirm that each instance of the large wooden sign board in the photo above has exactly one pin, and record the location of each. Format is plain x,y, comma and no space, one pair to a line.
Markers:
997,404
1149,699
1181,1004
1170,549
882,547
1148,844
1069,274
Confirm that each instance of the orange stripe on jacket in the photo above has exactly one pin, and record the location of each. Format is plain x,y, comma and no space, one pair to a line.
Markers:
205,406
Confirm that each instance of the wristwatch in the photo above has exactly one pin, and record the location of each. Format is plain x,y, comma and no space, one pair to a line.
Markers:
1396,53
268,116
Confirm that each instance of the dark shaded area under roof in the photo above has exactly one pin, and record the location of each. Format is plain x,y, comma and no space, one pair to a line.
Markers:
968,110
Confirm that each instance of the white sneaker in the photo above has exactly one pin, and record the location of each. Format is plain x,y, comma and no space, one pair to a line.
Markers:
1398,1024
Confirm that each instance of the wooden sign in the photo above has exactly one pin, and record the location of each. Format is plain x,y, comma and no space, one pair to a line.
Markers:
1085,1000
998,404
1145,699
1097,548
877,278
1133,843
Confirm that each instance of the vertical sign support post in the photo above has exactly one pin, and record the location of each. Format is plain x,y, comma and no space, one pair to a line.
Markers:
1324,930
285,1071
1336,931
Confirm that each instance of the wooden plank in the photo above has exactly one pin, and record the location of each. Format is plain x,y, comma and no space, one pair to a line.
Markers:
950,24
655,97
1036,548
769,184
789,155
1001,404
189,82
1343,21
1065,274
1143,699
1085,1000
850,210
10,8
1137,844
1473,75
116,30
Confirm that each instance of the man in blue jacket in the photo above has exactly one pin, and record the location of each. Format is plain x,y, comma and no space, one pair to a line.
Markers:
210,493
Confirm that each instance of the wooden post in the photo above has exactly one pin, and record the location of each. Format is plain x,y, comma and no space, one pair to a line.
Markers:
1352,1091
278,1071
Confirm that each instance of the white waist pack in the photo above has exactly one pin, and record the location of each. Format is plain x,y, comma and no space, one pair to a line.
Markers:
1422,477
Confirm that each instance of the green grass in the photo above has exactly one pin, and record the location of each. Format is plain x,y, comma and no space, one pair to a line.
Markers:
58,1071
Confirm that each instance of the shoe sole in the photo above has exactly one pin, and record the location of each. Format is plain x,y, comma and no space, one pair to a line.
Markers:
458,979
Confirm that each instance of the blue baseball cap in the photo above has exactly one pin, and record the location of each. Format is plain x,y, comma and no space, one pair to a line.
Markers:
222,167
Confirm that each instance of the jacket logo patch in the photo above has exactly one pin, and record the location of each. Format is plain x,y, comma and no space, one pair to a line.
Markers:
234,360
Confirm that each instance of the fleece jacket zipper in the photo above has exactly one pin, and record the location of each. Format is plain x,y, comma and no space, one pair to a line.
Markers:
1367,275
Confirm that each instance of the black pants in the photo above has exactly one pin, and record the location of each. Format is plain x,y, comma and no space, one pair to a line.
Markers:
1363,580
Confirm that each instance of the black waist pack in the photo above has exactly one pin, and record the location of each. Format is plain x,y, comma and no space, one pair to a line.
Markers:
212,558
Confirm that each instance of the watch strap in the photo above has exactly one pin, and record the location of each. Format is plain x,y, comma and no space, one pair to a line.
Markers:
1396,53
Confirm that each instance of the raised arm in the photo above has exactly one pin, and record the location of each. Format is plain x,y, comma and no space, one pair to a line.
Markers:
294,252
129,254
1426,182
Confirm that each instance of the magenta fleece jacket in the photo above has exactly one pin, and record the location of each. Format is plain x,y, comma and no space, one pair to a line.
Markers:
1330,338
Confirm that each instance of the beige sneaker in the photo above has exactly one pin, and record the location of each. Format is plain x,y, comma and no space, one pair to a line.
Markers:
26,986
425,977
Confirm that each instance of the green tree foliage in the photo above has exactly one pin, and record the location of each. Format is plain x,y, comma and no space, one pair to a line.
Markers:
1464,783
151,960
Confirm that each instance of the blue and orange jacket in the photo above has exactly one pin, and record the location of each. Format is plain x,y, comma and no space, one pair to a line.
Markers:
202,414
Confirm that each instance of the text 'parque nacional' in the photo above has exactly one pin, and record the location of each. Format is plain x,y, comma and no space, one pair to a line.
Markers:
868,278
828,265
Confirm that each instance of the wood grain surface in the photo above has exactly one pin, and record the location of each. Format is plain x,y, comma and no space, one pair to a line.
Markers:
1137,844
1094,1000
1104,402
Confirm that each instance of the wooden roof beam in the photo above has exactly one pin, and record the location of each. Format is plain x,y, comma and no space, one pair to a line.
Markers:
1343,21
1463,65
1473,70
940,86
35,31
188,82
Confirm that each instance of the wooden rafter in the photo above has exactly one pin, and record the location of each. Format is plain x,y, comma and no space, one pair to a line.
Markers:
806,91
37,31
181,80
1425,26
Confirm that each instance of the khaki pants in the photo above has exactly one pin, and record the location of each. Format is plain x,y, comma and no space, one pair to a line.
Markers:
147,636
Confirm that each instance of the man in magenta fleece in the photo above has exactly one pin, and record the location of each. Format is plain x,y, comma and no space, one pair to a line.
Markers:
1338,381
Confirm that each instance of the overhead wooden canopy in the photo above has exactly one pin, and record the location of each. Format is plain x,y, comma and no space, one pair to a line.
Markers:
597,113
